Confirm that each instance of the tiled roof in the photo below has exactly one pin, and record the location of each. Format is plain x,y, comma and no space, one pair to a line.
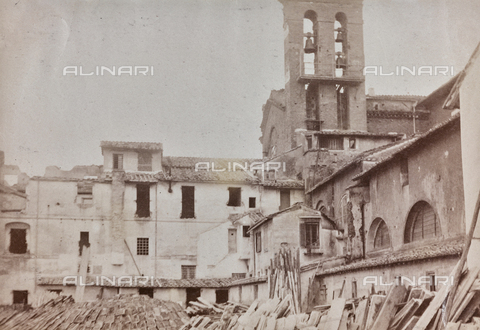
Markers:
412,143
452,247
395,97
131,145
8,190
154,283
356,133
294,207
369,155
249,280
255,215
293,184
119,312
189,162
190,175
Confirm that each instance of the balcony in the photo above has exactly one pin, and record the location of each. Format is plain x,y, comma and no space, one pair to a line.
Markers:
327,72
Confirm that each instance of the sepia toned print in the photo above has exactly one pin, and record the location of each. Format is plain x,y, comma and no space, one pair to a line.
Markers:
273,164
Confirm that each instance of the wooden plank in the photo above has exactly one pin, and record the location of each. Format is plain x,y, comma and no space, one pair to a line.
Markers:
461,308
396,295
411,323
376,303
468,326
344,320
335,313
361,313
470,310
82,273
405,314
452,326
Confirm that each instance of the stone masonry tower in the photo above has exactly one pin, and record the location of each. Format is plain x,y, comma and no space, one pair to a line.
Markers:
325,86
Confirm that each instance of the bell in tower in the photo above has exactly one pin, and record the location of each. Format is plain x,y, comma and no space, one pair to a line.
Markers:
309,45
340,33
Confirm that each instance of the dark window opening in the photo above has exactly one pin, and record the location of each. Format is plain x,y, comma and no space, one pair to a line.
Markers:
193,294
310,235
404,171
188,202
221,296
84,241
239,275
18,241
330,142
188,272
57,291
232,241
146,292
342,107
235,196
354,289
352,143
255,291
252,202
258,242
245,231
142,246
118,161
284,199
431,285
84,188
309,142
143,200
20,297
144,161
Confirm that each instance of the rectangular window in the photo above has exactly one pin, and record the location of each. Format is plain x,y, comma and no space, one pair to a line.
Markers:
188,202
239,275
245,231
144,161
118,161
255,291
232,241
143,201
235,196
310,234
252,202
142,246
18,241
188,272
309,142
284,199
84,241
258,242
431,286
404,171
330,142
20,297
84,188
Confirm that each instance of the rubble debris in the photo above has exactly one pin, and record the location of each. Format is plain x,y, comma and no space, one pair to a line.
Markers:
119,312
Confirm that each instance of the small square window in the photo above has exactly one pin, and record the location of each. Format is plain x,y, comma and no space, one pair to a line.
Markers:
142,246
146,292
252,202
20,297
144,161
188,272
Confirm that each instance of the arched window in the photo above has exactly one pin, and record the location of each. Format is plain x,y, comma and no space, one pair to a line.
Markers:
382,237
378,235
340,37
422,223
310,42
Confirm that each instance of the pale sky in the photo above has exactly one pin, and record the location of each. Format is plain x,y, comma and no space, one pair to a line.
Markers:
215,63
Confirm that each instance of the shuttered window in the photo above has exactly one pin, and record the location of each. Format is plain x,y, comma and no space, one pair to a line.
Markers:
118,161
422,223
188,202
188,272
310,234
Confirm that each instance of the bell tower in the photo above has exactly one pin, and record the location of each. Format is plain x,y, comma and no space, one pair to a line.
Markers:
324,60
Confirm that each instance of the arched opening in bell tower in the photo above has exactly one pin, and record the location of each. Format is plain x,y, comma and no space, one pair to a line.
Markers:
341,49
310,42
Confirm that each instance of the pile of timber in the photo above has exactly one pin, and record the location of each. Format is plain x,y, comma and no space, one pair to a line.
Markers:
412,308
119,312
273,314
203,307
284,276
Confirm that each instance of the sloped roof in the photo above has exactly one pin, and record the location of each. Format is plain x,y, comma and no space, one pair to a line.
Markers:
291,184
249,280
453,99
8,190
294,207
131,145
152,283
368,155
395,97
408,146
255,215
119,312
439,249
